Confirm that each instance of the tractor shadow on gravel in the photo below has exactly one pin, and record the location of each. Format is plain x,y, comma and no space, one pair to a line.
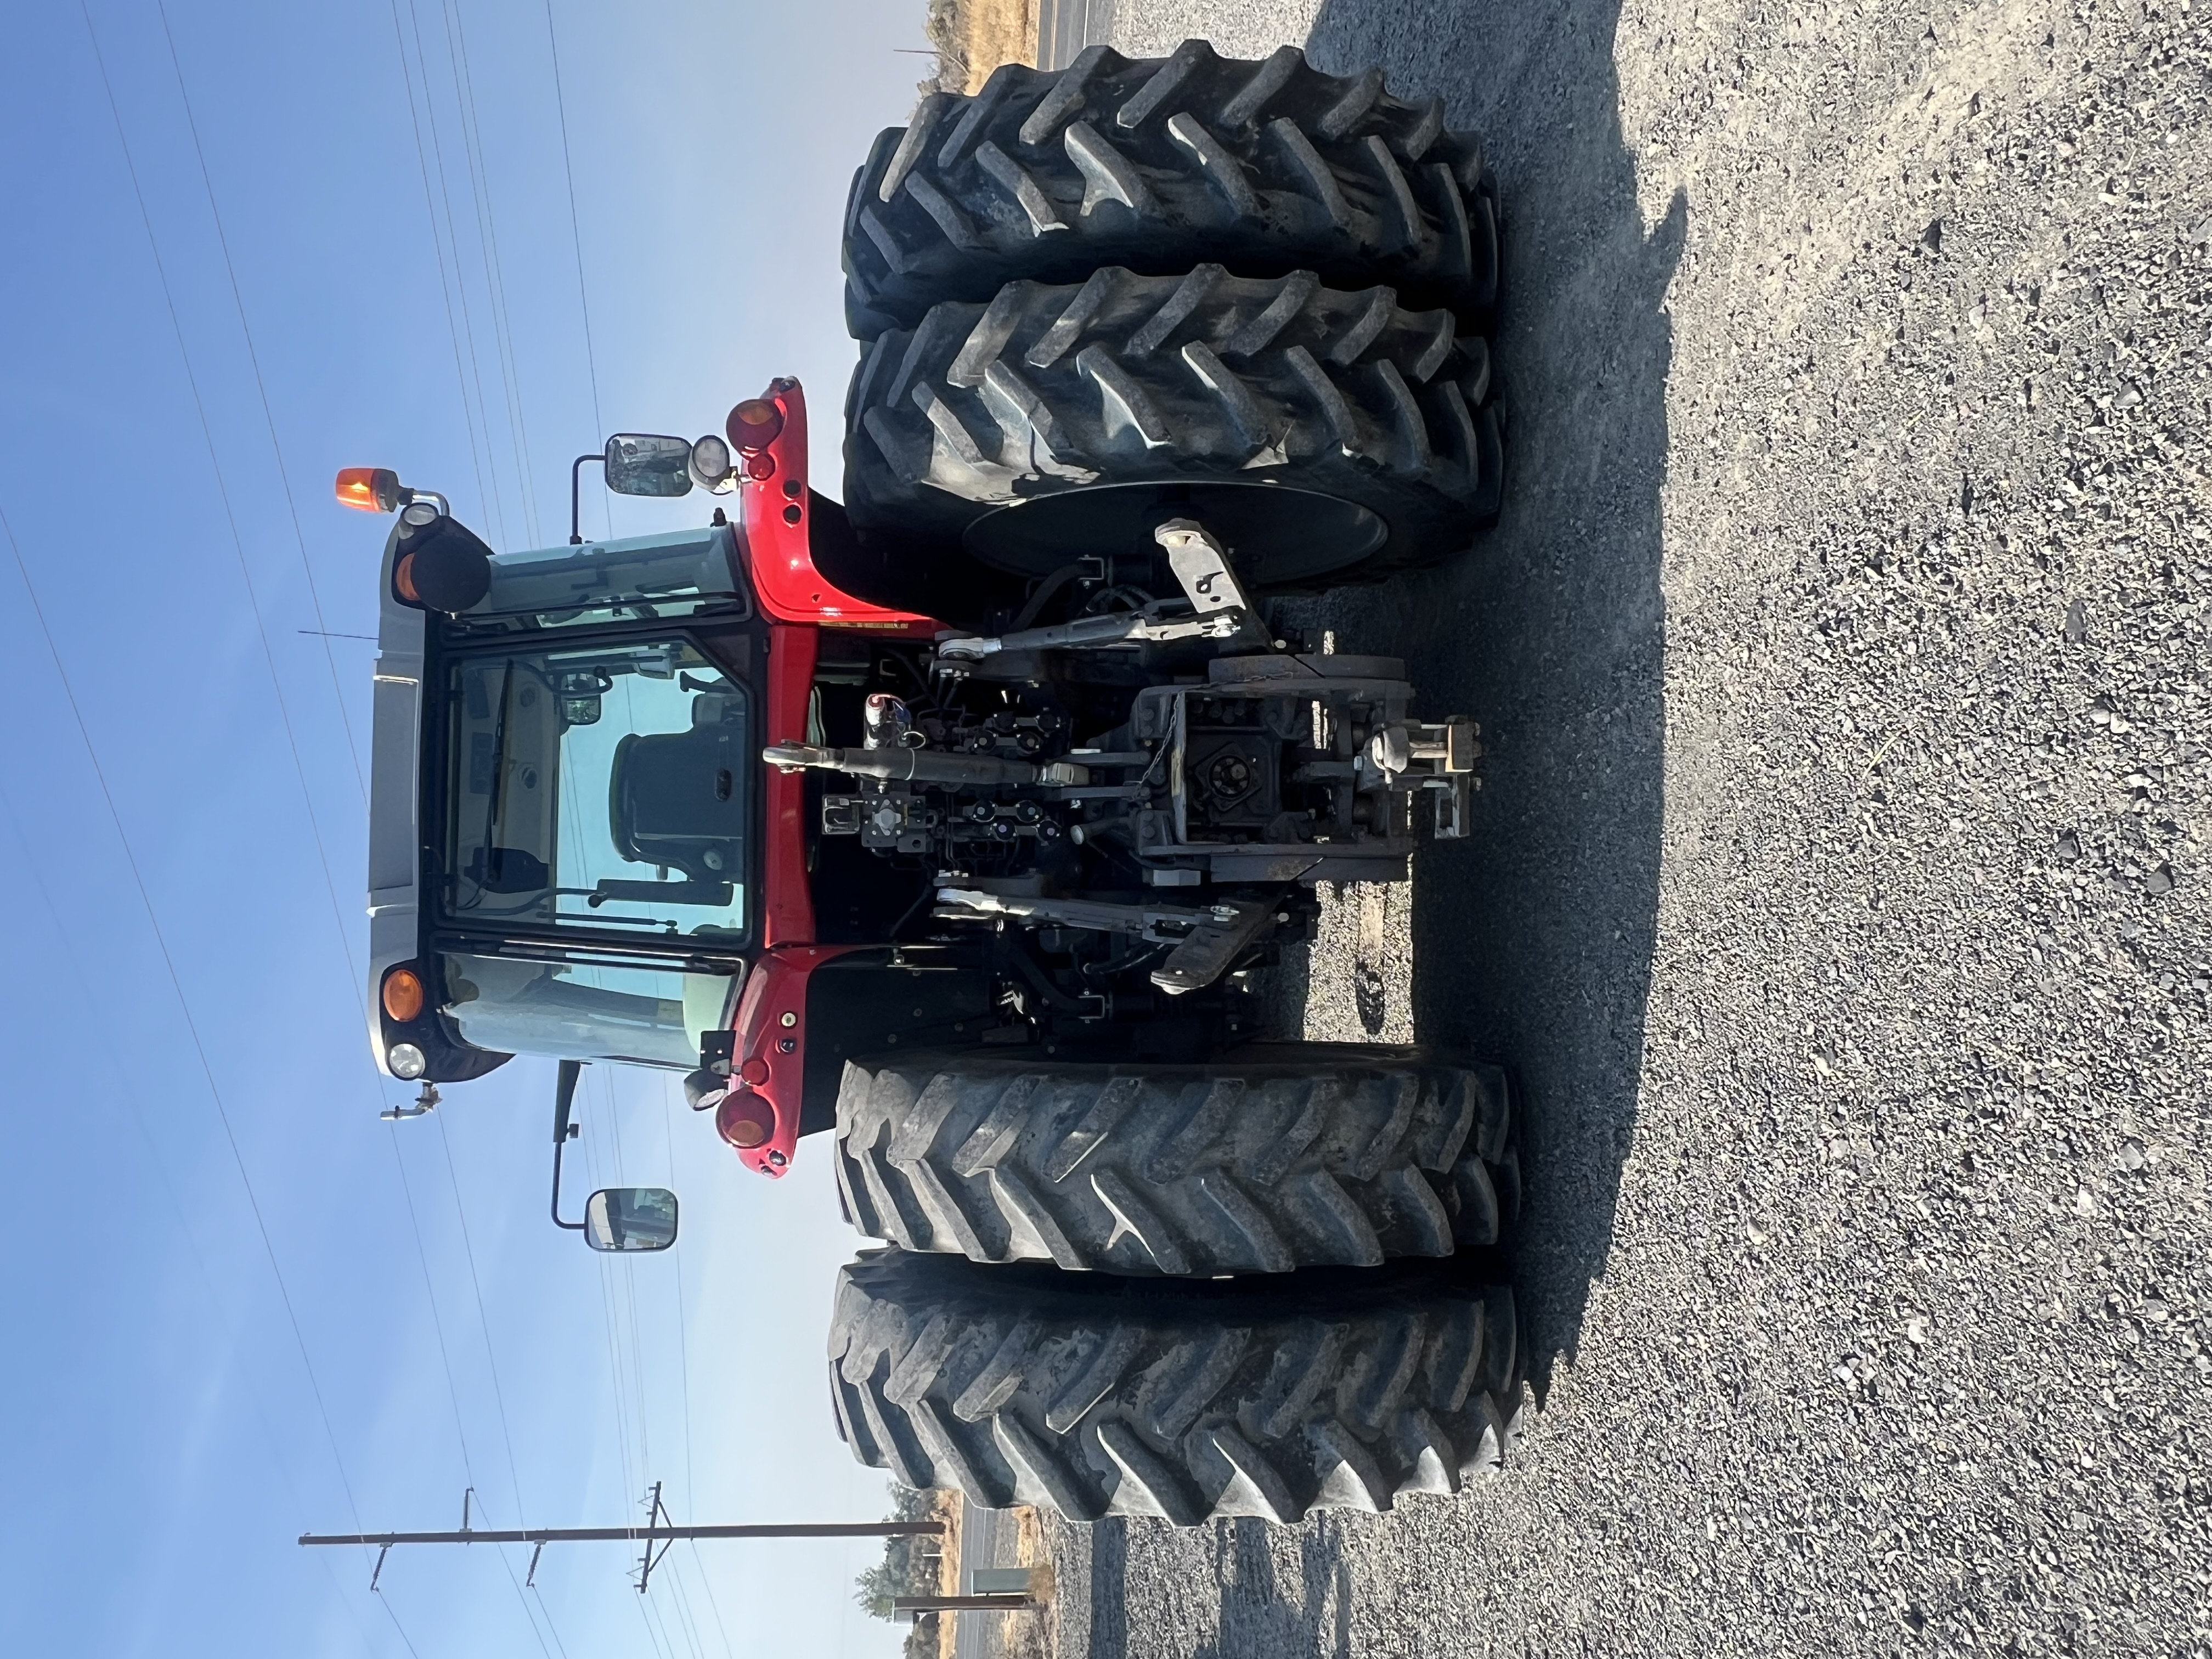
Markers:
1533,939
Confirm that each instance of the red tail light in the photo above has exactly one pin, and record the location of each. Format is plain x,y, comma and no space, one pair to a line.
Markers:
753,425
746,1120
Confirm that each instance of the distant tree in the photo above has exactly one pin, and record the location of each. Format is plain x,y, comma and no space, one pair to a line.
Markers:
876,1586
905,1560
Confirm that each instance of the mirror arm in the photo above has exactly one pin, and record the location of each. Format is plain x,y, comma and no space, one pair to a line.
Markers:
575,480
564,1099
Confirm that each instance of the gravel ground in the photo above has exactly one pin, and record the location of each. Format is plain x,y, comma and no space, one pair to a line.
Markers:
1838,885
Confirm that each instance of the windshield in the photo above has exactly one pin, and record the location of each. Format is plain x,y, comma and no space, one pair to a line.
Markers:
599,788
655,577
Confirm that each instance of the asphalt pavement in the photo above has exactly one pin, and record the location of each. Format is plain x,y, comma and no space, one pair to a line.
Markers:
1066,26
1839,883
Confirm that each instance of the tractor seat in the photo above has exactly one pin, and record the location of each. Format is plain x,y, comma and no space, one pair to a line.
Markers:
679,798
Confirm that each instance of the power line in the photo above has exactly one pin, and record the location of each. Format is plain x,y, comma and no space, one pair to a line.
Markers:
131,856
576,239
430,211
653,1530
460,279
430,1290
191,1026
612,1304
610,1321
483,1321
283,710
472,157
261,385
453,1390
133,1101
627,1266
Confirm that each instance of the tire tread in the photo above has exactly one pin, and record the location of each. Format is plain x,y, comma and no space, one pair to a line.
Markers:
1159,163
1255,1165
1171,1404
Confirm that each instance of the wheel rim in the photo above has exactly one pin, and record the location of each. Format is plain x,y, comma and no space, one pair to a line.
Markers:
1277,535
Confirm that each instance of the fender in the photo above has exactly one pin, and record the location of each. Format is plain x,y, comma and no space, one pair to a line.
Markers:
773,512
775,533
771,1052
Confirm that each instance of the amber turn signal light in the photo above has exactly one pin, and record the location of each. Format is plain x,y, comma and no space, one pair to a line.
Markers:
369,489
402,994
753,425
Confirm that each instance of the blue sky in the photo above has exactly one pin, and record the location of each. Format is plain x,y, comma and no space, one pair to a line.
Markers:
240,1307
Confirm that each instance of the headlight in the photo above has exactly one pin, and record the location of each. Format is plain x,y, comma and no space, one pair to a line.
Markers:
705,1090
710,465
406,1061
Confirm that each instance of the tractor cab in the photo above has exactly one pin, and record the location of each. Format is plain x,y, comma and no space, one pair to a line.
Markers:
576,851
563,837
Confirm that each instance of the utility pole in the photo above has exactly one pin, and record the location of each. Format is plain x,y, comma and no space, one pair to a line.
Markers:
1007,1601
657,1534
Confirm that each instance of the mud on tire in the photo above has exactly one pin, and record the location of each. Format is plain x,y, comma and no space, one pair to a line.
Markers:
1205,379
1189,1401
1159,163
1275,1160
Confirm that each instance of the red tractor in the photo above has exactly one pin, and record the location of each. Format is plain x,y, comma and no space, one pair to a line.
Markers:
959,819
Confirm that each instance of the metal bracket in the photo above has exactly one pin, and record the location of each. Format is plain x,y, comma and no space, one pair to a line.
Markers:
718,1051
655,1513
1212,946
1201,565
1449,796
425,1104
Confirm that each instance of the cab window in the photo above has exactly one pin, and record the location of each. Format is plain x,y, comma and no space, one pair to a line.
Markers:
598,789
581,1009
656,578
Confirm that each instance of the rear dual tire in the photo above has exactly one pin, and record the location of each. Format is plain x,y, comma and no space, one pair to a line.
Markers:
1188,1401
1283,1157
1158,165
1247,292
1131,400
1086,1353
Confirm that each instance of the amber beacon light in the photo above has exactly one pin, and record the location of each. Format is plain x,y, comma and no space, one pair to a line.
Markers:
370,488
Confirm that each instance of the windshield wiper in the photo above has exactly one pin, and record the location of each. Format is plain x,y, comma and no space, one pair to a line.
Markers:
666,924
482,862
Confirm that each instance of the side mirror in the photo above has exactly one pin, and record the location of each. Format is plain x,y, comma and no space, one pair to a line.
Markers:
631,1218
640,463
615,1218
